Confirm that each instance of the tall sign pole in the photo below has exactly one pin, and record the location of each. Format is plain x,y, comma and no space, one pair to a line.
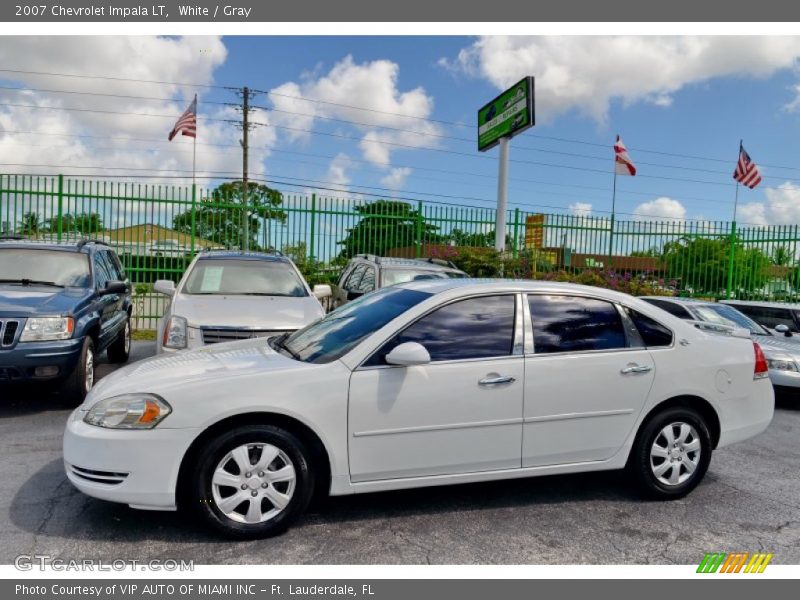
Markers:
498,121
502,197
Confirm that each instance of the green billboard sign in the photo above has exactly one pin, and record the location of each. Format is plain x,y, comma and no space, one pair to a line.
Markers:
507,115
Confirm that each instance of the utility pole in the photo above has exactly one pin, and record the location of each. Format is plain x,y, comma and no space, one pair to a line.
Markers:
245,191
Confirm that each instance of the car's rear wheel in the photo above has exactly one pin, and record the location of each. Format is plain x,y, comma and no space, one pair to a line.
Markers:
671,453
120,348
252,481
81,380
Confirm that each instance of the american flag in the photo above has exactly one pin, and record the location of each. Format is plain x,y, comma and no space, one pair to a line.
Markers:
623,165
746,171
187,123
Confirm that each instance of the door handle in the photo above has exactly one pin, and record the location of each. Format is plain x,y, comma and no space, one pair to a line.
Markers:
496,380
636,369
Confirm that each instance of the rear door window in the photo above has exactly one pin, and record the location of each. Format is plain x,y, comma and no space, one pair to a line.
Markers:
575,324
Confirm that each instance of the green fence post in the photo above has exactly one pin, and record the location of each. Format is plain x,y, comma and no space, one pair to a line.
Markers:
313,234
194,199
418,241
60,205
730,260
610,242
515,250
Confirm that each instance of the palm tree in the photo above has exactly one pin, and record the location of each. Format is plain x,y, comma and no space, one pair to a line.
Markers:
30,224
781,256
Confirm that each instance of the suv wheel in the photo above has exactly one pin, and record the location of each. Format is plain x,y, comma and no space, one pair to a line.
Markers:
252,481
81,380
120,348
671,454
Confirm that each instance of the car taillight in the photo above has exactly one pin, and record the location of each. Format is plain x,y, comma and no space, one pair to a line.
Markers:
762,369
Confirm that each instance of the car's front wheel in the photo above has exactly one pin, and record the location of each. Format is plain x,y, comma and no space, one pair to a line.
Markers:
252,481
671,453
81,380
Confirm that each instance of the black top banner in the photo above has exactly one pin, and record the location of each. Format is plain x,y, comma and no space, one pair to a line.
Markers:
460,11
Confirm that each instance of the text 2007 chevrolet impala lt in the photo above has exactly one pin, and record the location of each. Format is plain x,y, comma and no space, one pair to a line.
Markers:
424,383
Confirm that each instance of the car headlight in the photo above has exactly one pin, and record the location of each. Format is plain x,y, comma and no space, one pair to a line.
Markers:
175,333
780,364
40,329
129,411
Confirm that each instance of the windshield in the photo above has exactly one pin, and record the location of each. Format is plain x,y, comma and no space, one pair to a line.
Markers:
333,336
244,277
394,276
57,267
725,315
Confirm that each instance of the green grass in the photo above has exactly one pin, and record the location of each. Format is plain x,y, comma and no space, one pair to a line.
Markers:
147,335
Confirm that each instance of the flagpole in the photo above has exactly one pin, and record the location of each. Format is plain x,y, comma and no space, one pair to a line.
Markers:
613,211
732,246
194,178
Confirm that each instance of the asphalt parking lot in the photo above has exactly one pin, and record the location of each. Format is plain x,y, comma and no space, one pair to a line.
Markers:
750,500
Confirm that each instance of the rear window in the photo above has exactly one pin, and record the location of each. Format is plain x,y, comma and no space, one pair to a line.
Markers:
55,267
394,276
244,277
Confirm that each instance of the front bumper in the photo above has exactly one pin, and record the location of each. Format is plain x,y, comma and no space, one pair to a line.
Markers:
784,378
19,363
139,468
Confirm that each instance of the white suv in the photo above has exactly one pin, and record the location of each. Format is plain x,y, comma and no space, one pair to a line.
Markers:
233,295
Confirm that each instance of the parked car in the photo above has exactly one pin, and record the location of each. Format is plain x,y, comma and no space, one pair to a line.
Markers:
779,317
418,384
783,356
366,273
231,295
61,306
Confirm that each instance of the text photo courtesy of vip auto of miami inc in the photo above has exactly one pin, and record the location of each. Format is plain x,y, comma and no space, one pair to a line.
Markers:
400,300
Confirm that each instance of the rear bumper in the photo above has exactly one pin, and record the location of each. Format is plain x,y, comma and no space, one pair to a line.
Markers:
19,363
744,417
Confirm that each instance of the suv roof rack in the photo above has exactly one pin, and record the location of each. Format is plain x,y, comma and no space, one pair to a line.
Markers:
84,242
374,258
439,261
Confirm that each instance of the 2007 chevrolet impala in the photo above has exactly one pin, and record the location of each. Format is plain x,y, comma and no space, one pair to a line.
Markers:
424,383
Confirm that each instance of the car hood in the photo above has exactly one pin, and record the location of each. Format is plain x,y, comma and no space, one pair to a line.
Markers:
162,373
34,300
258,312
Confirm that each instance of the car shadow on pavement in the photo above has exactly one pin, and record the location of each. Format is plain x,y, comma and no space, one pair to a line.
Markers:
48,505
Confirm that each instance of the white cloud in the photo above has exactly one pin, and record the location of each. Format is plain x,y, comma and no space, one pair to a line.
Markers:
583,209
337,170
586,73
396,178
660,208
112,139
370,85
781,208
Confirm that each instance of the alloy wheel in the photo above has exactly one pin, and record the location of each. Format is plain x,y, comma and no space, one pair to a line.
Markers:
675,453
253,483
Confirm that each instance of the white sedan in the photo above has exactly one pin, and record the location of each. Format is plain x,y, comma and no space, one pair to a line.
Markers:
425,383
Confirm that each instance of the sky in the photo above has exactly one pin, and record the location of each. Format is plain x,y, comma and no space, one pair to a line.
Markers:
368,117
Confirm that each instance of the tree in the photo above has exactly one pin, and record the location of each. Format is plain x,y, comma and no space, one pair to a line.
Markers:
781,256
702,264
84,223
222,216
649,253
299,254
30,224
385,225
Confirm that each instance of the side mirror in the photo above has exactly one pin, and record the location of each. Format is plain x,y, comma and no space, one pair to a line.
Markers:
353,294
408,354
165,286
114,287
322,290
784,329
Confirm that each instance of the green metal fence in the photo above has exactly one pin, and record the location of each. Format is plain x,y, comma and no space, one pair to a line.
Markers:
156,229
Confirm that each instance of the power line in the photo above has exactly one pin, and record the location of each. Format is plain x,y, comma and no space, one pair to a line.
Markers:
112,78
108,112
103,95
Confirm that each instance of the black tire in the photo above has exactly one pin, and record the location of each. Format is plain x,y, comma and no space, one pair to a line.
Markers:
80,381
120,348
642,467
201,493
